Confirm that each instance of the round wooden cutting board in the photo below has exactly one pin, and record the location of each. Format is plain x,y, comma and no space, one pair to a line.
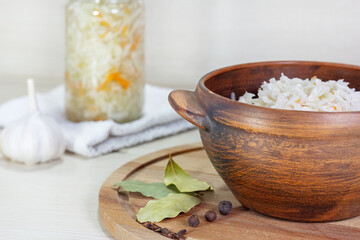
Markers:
118,210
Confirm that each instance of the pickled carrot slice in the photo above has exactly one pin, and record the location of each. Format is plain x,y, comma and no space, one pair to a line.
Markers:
103,85
114,76
123,44
127,10
123,32
99,118
104,34
124,83
82,89
136,42
105,23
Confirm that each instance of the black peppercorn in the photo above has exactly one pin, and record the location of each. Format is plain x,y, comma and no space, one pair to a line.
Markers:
164,231
180,233
210,216
194,221
225,207
155,227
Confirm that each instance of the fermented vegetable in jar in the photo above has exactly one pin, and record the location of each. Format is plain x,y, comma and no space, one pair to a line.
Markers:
104,60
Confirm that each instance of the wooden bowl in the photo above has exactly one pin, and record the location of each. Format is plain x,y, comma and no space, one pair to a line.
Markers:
296,165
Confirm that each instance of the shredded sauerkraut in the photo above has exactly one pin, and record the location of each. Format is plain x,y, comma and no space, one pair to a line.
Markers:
104,60
305,95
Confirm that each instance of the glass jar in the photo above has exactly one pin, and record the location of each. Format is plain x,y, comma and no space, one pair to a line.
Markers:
104,60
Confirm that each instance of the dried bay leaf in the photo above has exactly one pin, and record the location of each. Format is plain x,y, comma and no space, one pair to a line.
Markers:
167,207
175,175
156,189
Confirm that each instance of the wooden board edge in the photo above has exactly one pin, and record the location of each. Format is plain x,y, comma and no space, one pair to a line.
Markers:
129,228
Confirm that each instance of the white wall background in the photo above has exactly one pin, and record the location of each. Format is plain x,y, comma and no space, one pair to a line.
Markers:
187,38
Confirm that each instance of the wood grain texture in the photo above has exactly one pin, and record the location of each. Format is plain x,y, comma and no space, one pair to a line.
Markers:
297,165
117,211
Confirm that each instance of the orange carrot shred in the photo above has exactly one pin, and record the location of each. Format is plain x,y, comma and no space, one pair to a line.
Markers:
103,85
114,76
104,34
123,44
136,41
98,118
123,32
127,10
105,23
334,108
125,84
81,90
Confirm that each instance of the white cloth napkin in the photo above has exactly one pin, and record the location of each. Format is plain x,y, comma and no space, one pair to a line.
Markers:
92,139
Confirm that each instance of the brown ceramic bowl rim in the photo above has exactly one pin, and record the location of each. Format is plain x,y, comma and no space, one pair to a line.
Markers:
219,71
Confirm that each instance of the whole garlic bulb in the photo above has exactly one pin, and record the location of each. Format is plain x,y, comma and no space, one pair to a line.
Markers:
35,138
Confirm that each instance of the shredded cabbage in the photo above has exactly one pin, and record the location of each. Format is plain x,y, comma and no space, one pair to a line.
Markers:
305,95
104,60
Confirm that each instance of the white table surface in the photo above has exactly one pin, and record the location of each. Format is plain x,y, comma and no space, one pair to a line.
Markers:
59,200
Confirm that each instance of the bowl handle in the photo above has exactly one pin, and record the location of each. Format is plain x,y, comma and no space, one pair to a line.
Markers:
186,104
